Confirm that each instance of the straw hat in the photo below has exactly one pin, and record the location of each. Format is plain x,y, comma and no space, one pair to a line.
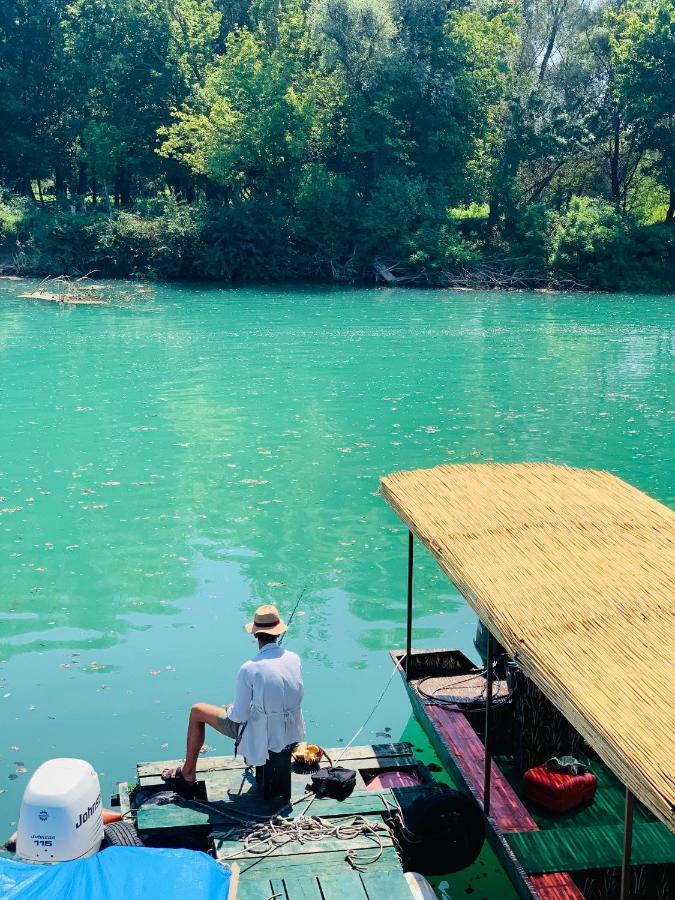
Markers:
267,620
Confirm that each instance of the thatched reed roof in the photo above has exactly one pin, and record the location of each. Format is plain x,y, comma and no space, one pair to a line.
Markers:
573,571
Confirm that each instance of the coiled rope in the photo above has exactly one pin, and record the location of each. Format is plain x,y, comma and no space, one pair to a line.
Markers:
264,839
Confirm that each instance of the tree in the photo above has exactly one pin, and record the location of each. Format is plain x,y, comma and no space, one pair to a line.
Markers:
643,47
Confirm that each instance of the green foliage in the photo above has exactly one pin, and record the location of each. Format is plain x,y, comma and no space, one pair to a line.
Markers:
272,139
643,43
591,242
12,214
595,245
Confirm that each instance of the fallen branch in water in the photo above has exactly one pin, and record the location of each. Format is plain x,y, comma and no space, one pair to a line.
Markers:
488,275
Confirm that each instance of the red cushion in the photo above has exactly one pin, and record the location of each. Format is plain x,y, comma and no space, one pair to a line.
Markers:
558,791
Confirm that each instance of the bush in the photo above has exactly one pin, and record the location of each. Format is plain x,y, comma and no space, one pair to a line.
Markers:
591,244
12,213
596,246
403,222
532,235
652,257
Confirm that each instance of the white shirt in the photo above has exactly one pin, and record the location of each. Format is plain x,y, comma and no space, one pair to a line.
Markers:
268,695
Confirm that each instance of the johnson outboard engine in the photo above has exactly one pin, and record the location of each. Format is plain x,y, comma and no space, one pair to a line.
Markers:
61,813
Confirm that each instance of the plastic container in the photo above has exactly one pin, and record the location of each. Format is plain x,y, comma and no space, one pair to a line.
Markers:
558,791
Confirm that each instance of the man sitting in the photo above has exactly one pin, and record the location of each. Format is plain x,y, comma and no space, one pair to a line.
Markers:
266,714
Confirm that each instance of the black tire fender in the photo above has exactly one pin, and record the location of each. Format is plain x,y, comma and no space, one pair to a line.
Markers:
121,834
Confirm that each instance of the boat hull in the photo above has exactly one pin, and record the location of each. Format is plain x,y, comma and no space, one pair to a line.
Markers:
462,753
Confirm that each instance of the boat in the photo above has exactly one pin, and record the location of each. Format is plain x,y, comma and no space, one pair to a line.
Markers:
570,573
230,818
299,846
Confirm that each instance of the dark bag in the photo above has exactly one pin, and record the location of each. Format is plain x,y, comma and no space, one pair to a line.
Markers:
335,782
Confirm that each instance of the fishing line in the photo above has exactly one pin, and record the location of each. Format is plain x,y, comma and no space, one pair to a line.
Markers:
295,609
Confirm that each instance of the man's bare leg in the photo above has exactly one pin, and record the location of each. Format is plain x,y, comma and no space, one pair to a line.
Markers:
201,714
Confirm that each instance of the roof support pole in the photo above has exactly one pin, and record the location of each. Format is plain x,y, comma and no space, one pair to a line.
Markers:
408,642
488,724
627,846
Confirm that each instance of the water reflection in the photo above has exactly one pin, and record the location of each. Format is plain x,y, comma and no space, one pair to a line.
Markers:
166,468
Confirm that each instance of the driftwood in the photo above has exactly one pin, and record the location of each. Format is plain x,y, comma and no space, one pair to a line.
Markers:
509,275
61,289
83,292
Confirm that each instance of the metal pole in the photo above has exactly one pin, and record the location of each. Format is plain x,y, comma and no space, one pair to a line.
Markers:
488,726
627,846
408,643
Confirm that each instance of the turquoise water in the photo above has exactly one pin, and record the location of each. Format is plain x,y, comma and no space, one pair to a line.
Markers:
169,464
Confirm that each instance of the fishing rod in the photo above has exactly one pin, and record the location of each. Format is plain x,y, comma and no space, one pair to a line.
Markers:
295,609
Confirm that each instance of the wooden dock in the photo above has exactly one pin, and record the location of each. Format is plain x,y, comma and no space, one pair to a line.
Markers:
228,805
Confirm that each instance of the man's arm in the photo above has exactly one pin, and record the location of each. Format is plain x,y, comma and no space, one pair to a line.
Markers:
243,694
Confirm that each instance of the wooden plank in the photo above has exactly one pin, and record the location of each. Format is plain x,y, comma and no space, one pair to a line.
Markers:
125,800
386,885
228,850
278,889
302,887
158,819
556,886
596,847
255,889
359,803
506,810
204,764
228,783
402,748
332,863
213,763
345,886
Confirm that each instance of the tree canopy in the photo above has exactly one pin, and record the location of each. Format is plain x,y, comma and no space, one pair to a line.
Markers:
325,133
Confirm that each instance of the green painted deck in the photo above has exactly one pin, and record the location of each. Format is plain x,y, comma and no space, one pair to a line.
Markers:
606,809
590,836
309,870
594,847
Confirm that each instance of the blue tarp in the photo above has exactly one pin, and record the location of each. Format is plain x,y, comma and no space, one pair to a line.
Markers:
119,873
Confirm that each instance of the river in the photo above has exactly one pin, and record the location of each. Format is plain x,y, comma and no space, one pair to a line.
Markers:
169,463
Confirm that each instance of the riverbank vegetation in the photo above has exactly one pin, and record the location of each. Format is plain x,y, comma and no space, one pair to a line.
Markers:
529,142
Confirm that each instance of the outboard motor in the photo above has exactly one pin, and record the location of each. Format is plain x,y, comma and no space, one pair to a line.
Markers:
61,813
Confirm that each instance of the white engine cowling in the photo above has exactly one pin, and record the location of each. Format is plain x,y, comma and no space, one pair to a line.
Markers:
61,813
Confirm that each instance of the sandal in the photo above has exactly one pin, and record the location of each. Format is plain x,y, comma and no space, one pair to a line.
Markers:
176,781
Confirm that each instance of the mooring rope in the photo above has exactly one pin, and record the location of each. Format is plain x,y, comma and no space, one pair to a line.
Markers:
264,839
